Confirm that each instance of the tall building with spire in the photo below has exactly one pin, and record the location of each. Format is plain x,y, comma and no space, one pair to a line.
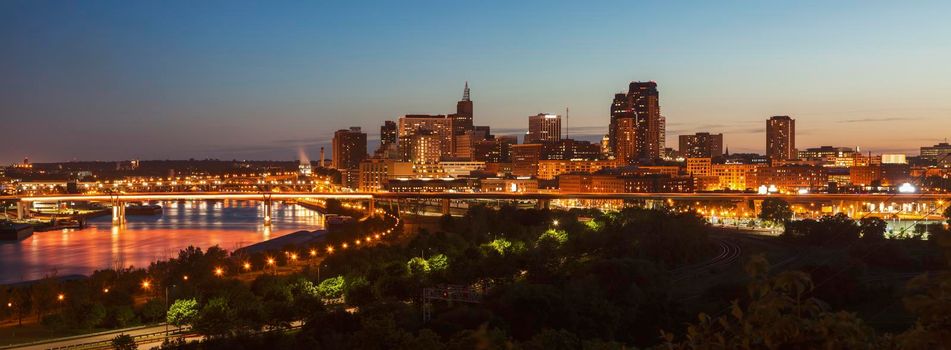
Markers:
462,119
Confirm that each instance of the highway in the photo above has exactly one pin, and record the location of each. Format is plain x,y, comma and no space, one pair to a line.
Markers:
140,196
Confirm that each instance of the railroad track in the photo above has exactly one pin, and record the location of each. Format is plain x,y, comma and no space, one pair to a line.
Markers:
729,253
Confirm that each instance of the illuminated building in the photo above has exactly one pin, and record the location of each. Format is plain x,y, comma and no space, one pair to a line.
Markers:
466,143
388,139
827,154
506,185
439,127
737,177
608,183
590,183
570,149
642,104
699,166
422,147
625,138
349,149
701,145
525,159
375,173
936,152
495,150
550,169
792,178
461,168
432,185
25,165
781,138
462,119
894,159
543,128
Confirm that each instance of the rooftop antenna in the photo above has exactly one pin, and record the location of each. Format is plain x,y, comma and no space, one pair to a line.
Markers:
465,93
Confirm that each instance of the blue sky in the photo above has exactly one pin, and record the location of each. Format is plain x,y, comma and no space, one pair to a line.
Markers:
108,80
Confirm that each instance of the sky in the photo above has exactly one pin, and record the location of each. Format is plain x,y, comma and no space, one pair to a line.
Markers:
114,80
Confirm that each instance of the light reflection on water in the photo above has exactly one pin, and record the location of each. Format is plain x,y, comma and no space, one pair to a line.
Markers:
143,239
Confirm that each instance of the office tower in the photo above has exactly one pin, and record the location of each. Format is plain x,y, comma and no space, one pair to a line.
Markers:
388,133
543,128
701,145
781,138
462,119
642,102
662,142
625,149
525,159
439,125
941,151
422,147
349,148
494,150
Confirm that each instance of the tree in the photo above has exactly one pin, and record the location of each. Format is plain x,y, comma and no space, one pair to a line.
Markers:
947,214
124,342
331,288
779,315
775,211
183,312
153,311
872,228
215,319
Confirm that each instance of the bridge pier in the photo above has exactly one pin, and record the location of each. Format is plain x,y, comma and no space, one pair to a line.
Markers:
445,206
371,207
267,211
542,204
118,213
21,210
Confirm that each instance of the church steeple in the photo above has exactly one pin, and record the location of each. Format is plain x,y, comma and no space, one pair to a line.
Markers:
465,93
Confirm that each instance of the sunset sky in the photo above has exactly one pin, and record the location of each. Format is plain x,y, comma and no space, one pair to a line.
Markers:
111,80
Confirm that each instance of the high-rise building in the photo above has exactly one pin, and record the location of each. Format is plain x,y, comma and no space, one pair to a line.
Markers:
349,148
701,145
388,133
494,150
543,127
642,102
625,138
439,125
462,119
781,138
422,147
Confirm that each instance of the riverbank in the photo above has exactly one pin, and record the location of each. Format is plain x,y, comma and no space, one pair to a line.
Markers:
299,238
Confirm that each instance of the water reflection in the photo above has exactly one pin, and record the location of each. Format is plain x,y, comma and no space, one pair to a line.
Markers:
143,239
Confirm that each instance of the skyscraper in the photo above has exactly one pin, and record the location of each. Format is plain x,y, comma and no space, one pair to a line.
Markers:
349,148
642,102
781,138
388,133
439,125
701,145
625,133
462,119
388,137
543,128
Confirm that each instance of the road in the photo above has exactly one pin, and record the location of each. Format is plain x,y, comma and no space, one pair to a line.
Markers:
105,337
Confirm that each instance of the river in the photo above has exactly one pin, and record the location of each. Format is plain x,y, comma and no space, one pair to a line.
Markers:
144,239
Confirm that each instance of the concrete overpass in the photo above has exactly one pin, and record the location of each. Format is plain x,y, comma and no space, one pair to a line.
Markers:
542,198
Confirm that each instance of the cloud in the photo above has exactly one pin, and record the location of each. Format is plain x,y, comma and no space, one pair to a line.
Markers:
874,120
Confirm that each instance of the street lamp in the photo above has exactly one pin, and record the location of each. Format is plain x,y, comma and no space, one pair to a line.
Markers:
219,271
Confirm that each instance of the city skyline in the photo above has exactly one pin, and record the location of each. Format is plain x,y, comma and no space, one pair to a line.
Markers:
120,83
